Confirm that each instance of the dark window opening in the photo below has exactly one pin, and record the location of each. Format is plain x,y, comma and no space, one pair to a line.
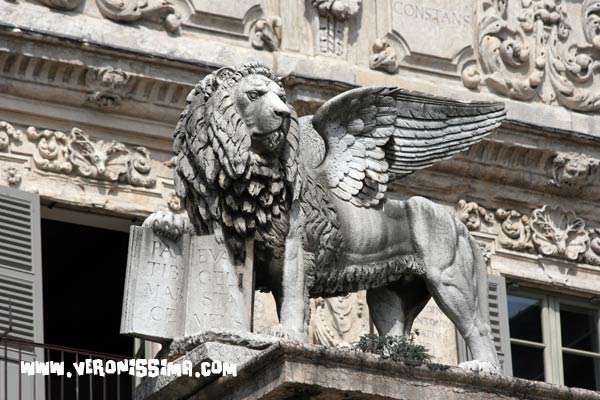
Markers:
83,279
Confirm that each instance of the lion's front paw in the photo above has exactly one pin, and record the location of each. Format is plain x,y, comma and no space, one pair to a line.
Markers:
481,367
168,225
284,332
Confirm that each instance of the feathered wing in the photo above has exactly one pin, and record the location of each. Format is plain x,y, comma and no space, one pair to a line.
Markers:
373,134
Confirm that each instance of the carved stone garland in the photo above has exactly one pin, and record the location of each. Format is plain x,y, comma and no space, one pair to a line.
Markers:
550,231
333,17
535,54
58,152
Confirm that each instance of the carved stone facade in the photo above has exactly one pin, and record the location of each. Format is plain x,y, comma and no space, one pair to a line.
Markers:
121,72
539,50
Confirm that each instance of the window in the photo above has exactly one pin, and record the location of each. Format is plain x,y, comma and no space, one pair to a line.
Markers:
554,339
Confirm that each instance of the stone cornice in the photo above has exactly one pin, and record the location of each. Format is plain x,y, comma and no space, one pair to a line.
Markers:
290,367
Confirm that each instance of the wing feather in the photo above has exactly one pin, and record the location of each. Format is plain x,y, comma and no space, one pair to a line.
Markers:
372,133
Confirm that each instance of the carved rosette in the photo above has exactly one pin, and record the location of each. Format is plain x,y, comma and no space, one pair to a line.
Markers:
384,56
333,18
13,176
559,233
265,34
161,11
109,86
529,50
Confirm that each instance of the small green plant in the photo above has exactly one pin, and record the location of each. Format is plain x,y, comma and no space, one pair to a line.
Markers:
395,348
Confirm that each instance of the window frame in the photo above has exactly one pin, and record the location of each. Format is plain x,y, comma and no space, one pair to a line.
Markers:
551,330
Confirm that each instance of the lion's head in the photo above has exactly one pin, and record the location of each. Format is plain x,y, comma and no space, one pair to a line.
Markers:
236,145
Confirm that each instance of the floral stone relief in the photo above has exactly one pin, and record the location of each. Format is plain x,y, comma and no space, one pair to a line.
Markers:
75,153
548,231
546,50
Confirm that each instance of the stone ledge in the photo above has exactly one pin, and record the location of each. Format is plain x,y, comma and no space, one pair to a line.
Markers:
289,370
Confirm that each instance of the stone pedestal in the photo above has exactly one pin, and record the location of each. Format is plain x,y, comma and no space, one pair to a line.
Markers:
272,370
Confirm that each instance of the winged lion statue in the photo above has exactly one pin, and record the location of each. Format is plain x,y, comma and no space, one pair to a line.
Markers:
311,193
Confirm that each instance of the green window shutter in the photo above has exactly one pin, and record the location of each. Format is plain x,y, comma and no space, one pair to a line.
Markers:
499,323
21,301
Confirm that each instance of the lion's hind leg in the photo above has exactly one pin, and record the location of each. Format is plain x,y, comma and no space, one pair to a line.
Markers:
456,276
457,289
393,308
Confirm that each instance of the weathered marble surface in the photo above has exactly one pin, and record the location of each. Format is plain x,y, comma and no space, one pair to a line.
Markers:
222,345
287,370
181,288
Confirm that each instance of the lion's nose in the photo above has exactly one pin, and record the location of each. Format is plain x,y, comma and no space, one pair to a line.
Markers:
282,112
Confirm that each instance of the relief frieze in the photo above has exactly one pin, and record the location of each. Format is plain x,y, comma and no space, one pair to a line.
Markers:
539,50
77,154
547,231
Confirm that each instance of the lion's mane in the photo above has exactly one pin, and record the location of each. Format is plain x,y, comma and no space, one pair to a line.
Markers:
226,188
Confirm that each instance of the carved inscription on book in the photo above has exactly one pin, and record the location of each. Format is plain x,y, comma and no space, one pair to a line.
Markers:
175,289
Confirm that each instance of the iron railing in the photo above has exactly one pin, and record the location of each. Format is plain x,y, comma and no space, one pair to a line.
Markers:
15,385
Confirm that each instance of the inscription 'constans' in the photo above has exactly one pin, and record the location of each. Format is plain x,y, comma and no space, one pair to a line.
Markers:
436,15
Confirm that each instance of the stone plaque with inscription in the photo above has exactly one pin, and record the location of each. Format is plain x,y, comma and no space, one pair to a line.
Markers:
438,28
181,288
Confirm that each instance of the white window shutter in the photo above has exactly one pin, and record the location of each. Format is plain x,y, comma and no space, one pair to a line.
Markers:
498,305
21,300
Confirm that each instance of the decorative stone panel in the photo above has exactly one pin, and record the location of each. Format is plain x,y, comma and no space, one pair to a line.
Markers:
539,50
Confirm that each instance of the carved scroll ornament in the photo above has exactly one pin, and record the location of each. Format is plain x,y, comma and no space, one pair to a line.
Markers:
549,231
9,135
265,34
58,152
161,11
384,56
531,51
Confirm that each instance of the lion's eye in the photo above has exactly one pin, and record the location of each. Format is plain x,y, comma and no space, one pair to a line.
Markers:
252,95
283,98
